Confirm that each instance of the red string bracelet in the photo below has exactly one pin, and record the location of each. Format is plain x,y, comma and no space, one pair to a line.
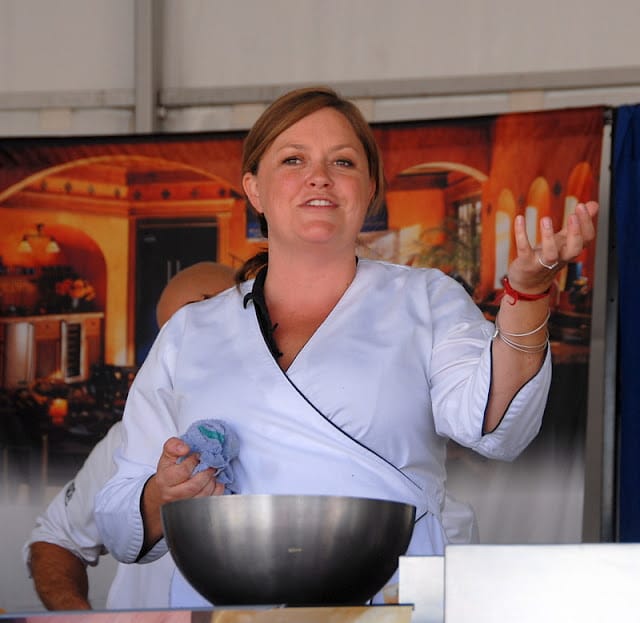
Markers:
521,296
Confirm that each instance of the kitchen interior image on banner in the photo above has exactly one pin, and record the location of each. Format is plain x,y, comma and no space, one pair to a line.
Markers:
92,228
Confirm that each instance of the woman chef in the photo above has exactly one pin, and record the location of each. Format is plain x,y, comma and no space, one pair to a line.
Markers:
340,376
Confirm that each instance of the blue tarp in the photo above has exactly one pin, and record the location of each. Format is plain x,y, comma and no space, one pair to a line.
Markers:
626,205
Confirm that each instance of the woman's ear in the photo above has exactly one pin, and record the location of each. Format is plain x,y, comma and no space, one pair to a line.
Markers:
250,186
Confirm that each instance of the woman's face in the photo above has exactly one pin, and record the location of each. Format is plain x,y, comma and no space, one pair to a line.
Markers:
313,184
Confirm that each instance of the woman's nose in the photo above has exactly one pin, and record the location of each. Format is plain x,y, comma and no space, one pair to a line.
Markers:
319,175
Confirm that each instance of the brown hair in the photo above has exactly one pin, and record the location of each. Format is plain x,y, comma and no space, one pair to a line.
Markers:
281,115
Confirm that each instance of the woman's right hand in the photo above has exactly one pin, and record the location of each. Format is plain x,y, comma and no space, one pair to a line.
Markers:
173,481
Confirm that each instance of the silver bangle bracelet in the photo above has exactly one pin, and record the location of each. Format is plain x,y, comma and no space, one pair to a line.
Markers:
538,328
524,348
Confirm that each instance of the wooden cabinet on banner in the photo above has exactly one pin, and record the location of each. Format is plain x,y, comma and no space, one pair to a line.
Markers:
62,346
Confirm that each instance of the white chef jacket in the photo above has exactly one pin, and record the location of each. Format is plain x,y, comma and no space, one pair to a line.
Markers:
69,522
401,363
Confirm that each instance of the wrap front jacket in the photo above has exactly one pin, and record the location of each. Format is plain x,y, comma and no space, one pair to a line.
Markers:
401,364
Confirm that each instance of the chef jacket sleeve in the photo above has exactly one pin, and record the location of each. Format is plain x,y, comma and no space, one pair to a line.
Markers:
69,520
147,423
461,379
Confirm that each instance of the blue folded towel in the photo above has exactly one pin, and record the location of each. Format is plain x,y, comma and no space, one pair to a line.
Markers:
217,445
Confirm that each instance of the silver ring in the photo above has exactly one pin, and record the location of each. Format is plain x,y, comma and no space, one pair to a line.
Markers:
547,266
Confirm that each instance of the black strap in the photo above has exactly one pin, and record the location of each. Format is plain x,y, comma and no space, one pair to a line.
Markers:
262,313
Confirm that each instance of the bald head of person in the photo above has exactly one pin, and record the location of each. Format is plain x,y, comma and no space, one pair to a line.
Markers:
194,283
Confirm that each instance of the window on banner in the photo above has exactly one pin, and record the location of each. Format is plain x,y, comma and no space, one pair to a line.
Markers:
469,236
505,214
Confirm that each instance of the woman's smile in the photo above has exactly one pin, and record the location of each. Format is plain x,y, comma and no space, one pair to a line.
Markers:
320,203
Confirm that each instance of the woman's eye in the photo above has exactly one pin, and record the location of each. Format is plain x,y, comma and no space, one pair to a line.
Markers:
344,162
292,160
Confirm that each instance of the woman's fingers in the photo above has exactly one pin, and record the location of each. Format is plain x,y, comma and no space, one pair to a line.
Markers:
203,484
178,487
574,239
175,477
548,253
174,448
209,485
592,208
585,214
523,245
580,230
171,470
569,242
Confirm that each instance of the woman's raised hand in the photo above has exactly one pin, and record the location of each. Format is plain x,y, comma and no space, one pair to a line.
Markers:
534,267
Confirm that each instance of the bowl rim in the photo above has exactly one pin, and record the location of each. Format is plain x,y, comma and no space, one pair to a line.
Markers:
274,496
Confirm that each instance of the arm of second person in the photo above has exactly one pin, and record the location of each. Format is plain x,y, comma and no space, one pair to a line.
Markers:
60,577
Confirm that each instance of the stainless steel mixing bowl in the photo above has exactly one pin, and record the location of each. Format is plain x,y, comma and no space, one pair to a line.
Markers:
287,549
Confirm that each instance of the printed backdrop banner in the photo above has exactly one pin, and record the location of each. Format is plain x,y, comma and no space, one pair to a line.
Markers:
91,228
